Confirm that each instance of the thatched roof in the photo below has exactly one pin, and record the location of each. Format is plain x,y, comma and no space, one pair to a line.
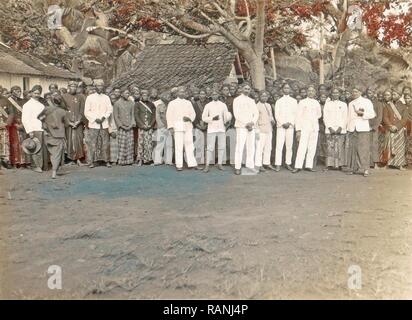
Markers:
171,65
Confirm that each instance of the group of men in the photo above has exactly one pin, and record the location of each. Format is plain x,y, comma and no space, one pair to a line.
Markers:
130,125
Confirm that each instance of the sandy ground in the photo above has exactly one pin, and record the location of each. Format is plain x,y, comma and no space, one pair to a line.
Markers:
154,233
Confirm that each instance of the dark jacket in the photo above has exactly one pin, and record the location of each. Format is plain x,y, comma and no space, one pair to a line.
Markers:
389,118
54,121
143,116
377,121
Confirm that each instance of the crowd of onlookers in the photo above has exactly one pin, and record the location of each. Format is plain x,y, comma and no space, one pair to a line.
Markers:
295,126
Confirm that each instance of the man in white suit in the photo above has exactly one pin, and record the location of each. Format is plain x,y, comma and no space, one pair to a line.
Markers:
246,116
179,117
307,130
285,114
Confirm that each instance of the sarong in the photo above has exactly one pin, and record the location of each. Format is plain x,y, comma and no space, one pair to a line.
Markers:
114,149
98,144
394,153
335,150
4,145
75,148
17,155
357,151
145,145
126,147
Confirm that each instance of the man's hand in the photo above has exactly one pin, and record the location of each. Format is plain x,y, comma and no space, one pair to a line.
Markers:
360,112
31,135
187,119
215,118
331,131
393,129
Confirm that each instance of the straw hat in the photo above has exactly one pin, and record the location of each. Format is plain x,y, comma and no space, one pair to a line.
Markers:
31,146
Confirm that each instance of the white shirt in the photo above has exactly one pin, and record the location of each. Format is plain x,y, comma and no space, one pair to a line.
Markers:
265,117
176,110
31,110
245,111
308,115
335,115
98,106
213,109
285,110
355,122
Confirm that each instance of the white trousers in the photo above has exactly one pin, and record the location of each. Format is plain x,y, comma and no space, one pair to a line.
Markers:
263,149
230,146
163,150
199,145
284,135
307,149
184,141
243,136
221,146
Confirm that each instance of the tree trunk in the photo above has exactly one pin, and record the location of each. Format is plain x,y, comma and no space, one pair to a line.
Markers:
257,69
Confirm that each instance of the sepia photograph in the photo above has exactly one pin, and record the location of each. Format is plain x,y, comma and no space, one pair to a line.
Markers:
182,150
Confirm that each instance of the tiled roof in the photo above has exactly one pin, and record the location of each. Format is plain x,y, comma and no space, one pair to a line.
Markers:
170,65
15,62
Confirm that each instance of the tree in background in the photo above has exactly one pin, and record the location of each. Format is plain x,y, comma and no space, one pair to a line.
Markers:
103,31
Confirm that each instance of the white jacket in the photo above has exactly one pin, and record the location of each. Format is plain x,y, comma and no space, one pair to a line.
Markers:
355,122
98,106
31,110
176,110
308,115
213,109
285,110
335,115
244,111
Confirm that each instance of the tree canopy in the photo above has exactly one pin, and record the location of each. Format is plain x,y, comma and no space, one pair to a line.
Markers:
251,26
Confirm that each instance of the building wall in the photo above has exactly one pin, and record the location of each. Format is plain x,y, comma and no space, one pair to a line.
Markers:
8,80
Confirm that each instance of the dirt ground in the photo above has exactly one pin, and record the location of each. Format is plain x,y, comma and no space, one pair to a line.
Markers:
154,233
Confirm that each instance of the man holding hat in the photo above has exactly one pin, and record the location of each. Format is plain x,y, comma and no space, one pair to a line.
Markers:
98,108
76,120
33,125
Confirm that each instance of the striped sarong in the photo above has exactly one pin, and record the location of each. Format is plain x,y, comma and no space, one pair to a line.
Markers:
125,141
394,153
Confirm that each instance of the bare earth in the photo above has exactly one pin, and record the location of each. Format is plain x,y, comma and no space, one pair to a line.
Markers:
154,233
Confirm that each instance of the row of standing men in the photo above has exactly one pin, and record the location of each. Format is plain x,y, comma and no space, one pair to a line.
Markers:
348,133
